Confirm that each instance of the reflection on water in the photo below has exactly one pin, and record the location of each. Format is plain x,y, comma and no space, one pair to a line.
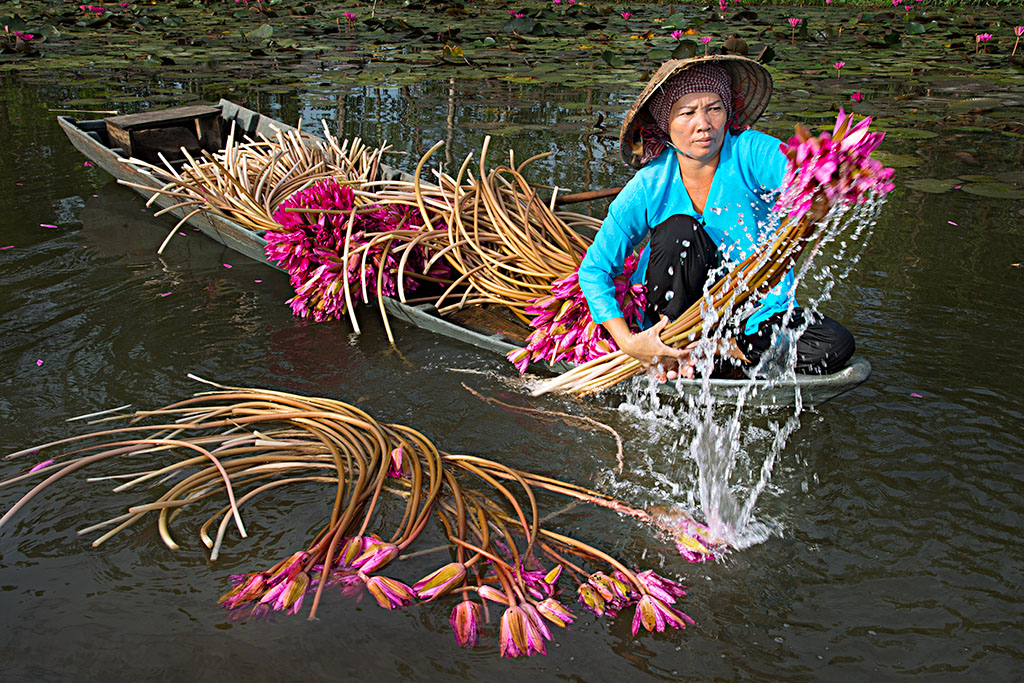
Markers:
899,504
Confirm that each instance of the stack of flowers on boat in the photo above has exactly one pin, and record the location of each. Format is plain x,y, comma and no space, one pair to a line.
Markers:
390,487
336,253
563,328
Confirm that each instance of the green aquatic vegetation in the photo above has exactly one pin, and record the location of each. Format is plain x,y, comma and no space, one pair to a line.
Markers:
917,65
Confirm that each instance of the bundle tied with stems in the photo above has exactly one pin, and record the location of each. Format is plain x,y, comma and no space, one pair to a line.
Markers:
827,171
228,447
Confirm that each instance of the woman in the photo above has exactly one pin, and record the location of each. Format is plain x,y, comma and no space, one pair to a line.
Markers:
703,192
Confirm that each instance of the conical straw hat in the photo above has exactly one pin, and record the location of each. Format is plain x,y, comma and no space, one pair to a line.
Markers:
751,86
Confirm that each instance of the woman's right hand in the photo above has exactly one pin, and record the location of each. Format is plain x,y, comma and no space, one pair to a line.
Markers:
648,348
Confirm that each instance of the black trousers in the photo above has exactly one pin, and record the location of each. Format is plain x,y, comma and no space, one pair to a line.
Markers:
683,256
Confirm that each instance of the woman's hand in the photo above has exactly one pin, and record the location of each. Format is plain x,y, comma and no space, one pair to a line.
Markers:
668,362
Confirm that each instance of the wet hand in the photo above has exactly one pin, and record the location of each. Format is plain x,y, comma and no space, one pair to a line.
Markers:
666,362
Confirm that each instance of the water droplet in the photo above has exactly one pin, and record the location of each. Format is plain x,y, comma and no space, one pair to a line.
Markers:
669,295
671,271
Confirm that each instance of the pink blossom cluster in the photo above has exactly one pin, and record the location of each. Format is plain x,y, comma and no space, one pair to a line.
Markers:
563,328
834,167
311,248
531,608
92,8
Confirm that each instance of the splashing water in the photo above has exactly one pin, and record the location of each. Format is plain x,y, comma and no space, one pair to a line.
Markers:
734,455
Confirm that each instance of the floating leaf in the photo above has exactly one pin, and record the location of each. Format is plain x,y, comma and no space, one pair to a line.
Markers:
910,133
976,104
896,160
932,185
264,32
677,21
612,59
520,25
994,190
685,49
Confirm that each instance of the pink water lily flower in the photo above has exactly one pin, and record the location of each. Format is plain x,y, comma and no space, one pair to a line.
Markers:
465,622
376,556
666,590
493,594
677,34
41,465
839,68
519,635
626,15
655,615
395,463
616,593
592,600
794,22
563,328
440,581
1019,31
833,168
981,38
857,97
389,593
555,612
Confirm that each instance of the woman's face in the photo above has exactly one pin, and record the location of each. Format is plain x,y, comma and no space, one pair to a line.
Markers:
697,125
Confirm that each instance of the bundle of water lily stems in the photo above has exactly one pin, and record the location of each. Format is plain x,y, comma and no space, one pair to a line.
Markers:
490,240
228,447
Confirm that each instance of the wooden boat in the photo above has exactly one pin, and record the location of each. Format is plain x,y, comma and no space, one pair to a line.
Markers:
109,145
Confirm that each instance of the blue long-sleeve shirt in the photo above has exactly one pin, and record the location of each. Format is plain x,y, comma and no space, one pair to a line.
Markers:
737,217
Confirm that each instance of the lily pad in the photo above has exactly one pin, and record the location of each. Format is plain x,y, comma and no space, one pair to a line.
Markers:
685,49
910,133
976,104
612,59
264,32
932,185
896,160
995,190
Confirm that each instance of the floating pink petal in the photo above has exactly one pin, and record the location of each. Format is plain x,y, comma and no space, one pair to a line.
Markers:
41,465
47,225
38,363
916,395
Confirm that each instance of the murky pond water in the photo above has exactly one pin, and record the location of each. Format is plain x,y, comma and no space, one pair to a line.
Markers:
899,505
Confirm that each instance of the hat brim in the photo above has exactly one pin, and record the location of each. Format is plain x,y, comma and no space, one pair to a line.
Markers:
751,86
